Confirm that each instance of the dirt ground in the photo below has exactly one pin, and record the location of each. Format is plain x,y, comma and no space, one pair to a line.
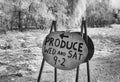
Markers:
21,56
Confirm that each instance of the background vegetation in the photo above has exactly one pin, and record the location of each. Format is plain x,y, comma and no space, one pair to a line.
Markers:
101,14
38,14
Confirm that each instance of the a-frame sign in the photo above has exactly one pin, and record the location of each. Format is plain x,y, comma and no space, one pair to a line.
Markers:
67,50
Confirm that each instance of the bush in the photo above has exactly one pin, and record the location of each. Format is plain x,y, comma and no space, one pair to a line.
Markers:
99,14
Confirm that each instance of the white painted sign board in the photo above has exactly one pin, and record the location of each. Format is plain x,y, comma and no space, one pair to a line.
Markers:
64,50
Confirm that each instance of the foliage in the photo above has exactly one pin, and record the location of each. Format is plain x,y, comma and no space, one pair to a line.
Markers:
99,14
57,7
39,13
36,13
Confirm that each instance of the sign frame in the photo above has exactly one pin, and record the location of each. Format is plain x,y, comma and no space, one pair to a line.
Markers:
83,28
64,50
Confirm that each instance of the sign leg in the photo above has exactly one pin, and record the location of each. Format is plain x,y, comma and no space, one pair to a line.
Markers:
88,71
41,69
86,40
77,71
77,74
55,74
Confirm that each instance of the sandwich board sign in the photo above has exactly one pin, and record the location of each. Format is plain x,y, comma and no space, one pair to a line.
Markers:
64,50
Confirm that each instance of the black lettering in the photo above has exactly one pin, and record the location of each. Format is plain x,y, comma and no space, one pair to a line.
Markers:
51,41
53,52
47,40
58,53
69,46
79,47
62,64
57,42
55,59
70,54
45,50
61,53
63,44
80,56
64,54
75,55
49,51
74,46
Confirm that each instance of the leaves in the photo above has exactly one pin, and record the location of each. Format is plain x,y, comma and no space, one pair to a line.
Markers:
99,14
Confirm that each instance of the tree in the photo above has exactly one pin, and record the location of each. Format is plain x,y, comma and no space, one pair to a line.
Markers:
99,14
58,7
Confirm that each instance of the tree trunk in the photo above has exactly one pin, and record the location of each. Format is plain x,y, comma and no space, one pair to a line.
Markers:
11,23
19,24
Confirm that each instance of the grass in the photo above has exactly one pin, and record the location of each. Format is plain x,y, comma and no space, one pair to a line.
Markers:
24,56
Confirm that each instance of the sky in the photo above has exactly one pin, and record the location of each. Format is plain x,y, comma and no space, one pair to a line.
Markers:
115,3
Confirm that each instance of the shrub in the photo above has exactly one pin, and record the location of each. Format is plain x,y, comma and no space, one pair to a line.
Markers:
99,14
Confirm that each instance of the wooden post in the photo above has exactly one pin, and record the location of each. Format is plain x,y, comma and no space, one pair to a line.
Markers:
77,71
83,27
41,69
53,26
77,74
55,74
86,40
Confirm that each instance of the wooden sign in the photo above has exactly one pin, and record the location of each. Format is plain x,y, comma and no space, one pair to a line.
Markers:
64,50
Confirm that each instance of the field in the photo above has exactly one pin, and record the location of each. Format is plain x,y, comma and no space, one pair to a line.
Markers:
21,56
